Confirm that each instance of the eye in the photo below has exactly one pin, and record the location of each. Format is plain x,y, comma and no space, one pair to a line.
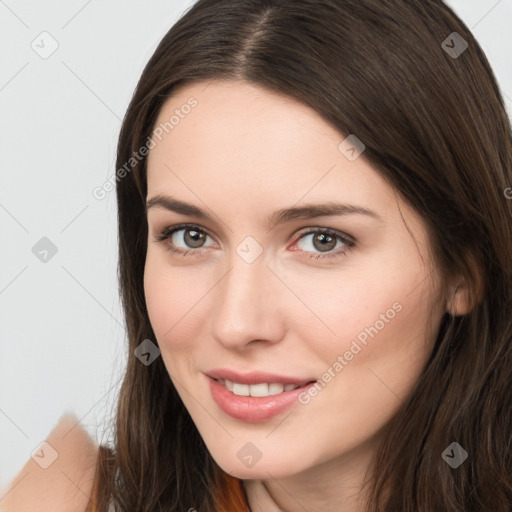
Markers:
191,237
325,241
189,240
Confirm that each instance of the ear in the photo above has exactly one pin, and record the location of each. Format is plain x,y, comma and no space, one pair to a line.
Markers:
465,294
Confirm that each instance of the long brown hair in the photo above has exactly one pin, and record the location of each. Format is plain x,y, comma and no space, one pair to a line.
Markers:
431,116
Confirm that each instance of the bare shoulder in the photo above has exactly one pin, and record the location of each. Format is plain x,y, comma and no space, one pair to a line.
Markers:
60,475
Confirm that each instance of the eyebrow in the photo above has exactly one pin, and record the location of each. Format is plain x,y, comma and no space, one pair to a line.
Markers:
308,211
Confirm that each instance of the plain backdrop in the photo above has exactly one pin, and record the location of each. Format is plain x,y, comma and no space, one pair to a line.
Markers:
62,337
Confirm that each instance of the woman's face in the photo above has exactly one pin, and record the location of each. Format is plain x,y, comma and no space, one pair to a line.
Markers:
273,282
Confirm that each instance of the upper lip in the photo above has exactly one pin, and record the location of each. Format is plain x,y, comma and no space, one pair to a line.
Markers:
256,377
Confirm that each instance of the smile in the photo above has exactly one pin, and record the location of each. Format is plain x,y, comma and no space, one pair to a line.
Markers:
253,403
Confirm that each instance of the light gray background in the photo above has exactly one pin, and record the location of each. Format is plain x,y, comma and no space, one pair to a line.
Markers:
61,332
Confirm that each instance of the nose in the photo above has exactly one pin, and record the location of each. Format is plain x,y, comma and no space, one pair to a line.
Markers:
248,305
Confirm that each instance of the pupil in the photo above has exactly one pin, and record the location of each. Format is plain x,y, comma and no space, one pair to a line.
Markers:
328,239
195,239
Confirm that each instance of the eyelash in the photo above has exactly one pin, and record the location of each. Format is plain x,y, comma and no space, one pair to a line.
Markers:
167,233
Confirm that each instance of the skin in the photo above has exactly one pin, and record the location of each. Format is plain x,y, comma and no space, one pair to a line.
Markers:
241,154
65,485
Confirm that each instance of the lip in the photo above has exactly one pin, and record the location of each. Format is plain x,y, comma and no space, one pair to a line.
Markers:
256,377
253,409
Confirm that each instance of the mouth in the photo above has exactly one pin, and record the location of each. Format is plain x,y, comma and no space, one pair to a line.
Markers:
255,402
260,390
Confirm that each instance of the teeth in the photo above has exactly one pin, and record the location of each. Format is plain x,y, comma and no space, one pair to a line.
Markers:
275,389
241,389
256,390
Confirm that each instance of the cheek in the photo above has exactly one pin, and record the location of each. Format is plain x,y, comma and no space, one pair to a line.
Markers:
174,301
340,305
386,352
382,320
372,364
158,292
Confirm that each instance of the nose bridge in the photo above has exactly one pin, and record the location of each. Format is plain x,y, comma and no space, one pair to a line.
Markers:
245,307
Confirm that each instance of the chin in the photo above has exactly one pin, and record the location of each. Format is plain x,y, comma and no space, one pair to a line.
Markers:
262,469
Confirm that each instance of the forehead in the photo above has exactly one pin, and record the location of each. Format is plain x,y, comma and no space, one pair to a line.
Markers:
238,121
253,146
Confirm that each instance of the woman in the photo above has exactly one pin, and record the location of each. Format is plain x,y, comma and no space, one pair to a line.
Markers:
314,237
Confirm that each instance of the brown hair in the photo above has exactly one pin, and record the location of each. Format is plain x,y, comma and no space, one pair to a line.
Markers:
435,126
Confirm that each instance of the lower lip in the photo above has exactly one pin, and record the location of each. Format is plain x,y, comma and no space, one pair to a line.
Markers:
253,409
